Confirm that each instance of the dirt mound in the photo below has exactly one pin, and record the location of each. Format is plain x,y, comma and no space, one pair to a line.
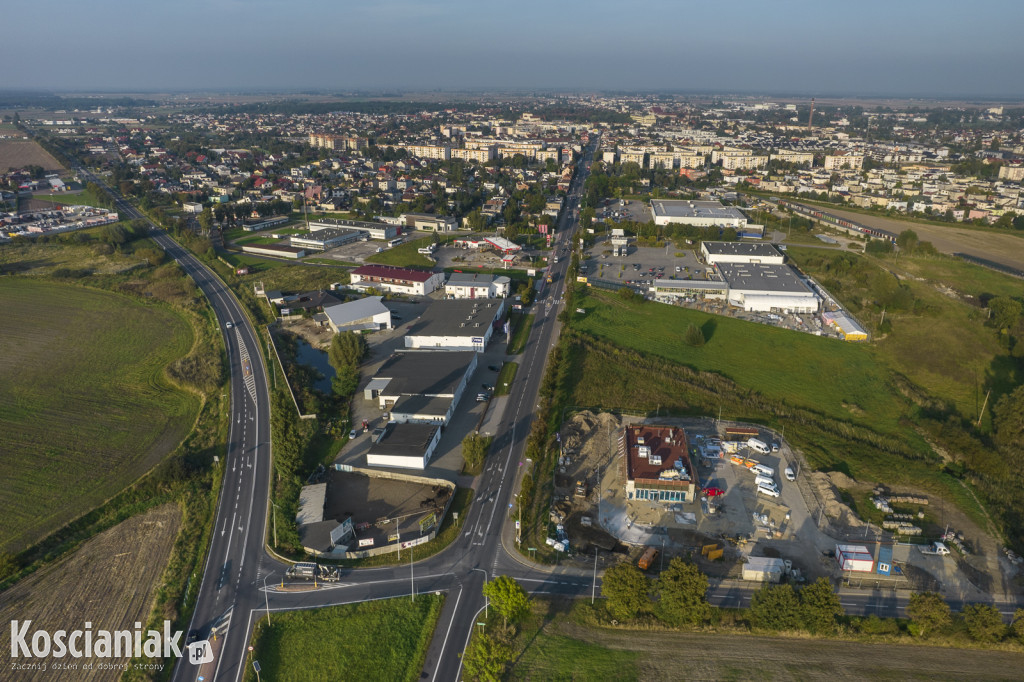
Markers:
825,485
842,481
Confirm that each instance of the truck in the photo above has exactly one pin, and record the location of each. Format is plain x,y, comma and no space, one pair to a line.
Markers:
935,549
551,278
765,569
648,557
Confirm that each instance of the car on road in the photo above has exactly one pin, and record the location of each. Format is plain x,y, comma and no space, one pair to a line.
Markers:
714,492
482,397
229,325
790,474
487,387
494,368
396,316
353,434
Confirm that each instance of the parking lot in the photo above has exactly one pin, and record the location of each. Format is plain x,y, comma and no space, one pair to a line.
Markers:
641,265
616,210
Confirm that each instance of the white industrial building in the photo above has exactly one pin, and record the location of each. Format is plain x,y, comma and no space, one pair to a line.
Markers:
698,213
325,238
465,324
767,288
407,446
364,313
741,252
472,285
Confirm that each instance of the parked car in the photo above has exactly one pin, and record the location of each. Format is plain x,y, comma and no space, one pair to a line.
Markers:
713,492
481,397
790,474
353,434
494,368
487,387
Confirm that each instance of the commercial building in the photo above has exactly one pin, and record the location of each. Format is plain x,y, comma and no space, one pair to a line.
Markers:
465,324
421,386
688,288
407,446
430,222
325,238
699,213
740,252
472,285
396,280
358,315
657,464
370,230
767,288
274,250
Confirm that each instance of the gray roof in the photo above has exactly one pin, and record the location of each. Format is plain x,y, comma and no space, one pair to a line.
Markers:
675,208
431,373
360,309
463,279
761,277
311,504
404,440
445,318
422,405
752,249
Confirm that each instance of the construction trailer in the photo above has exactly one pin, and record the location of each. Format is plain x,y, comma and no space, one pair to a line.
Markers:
855,558
649,555
764,569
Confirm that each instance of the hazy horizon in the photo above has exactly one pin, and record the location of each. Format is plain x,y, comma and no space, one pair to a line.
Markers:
912,49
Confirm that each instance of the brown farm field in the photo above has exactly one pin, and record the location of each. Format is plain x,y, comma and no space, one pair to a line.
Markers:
109,581
21,153
566,650
86,406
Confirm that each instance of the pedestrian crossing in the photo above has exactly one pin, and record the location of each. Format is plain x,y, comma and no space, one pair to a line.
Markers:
247,375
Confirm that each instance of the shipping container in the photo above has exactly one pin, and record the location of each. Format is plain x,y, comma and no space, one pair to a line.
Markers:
764,569
854,558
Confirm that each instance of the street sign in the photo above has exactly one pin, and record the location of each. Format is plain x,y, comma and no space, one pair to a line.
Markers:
256,666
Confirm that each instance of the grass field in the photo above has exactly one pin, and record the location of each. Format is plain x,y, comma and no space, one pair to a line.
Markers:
109,581
505,378
522,324
555,646
377,640
21,153
772,361
86,407
404,255
83,198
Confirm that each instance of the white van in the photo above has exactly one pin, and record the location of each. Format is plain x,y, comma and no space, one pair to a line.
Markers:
765,481
790,474
762,470
770,492
759,446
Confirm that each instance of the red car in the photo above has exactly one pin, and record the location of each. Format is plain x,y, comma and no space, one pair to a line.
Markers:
713,492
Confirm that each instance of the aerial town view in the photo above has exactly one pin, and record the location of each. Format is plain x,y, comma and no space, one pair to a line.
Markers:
449,341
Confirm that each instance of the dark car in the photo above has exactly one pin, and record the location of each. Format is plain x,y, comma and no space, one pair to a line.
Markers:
494,368
193,635
488,387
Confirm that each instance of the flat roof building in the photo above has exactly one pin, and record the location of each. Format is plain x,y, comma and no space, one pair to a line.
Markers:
474,285
767,288
325,238
371,230
421,386
407,446
699,213
657,464
741,252
845,325
463,324
274,250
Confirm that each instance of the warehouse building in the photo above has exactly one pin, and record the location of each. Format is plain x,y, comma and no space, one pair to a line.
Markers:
407,446
396,280
274,250
472,285
741,252
768,288
657,464
368,229
363,314
674,289
325,238
699,213
421,386
465,324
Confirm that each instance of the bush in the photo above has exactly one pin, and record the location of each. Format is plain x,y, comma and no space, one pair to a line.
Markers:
694,336
873,625
627,590
984,623
928,612
776,607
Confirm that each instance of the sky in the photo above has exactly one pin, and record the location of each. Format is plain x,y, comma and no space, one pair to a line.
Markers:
900,48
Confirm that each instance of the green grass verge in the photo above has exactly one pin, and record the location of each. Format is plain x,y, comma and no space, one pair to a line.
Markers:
376,640
254,263
522,324
503,384
83,198
404,255
86,406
